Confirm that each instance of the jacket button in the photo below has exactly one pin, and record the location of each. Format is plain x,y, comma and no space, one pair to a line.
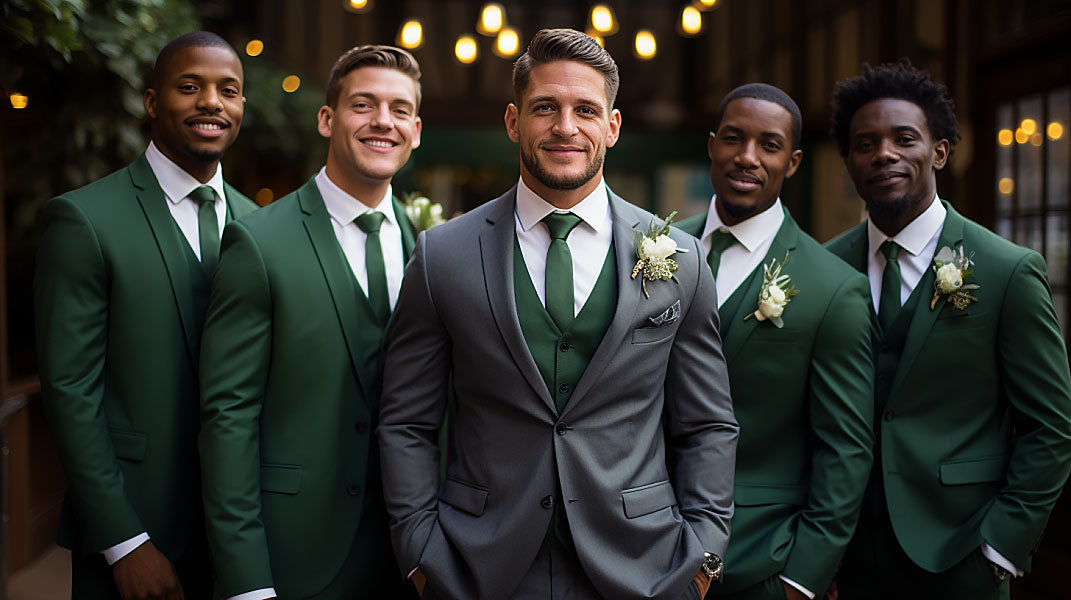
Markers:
561,429
564,347
353,490
563,389
547,502
362,427
889,415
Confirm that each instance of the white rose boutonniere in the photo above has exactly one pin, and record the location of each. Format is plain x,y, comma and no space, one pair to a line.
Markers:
653,251
951,269
775,293
423,213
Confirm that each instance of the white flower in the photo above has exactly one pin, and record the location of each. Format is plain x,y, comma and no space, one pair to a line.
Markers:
660,247
949,278
773,302
436,211
421,201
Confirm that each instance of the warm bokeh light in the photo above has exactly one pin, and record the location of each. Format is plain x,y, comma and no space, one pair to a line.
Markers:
1006,185
18,101
358,5
602,19
595,35
1021,136
254,47
411,35
492,18
508,43
1005,137
646,47
691,20
706,4
291,83
1056,131
264,196
1029,126
465,49
1036,138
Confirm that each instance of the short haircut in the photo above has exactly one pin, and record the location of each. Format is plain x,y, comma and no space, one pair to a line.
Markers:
765,91
387,57
899,80
193,39
551,45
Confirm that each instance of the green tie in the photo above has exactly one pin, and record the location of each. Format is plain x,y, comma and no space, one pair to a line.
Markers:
370,222
889,302
719,242
559,272
207,226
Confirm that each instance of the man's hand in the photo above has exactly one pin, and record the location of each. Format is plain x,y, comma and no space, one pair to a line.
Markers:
832,593
146,574
419,581
792,593
702,582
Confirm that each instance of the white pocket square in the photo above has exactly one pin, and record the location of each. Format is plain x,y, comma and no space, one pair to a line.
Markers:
668,316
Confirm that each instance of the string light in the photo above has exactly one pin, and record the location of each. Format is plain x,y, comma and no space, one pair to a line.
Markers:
1006,185
1005,137
358,6
646,47
254,47
508,42
1029,126
291,83
492,19
602,19
1055,131
465,49
411,35
691,21
19,101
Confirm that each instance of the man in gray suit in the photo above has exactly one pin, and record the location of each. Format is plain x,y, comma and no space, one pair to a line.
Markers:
592,445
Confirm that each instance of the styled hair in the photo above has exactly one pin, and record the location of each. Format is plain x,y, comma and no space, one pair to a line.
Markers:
371,56
193,39
894,80
550,45
765,91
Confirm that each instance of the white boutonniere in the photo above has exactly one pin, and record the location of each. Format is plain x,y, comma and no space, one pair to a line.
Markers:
775,294
653,251
423,213
952,267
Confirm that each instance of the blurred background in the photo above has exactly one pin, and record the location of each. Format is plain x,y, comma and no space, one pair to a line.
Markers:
72,74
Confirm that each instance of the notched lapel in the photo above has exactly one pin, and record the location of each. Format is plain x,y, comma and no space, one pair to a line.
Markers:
408,235
170,242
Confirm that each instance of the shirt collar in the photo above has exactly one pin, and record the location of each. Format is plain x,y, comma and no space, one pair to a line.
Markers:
594,209
176,182
916,234
751,233
344,208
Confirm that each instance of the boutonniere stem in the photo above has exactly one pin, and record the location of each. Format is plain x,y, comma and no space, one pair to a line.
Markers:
653,251
775,294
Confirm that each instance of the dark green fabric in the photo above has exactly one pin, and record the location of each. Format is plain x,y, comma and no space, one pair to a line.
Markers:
889,301
559,269
207,226
376,270
720,241
743,293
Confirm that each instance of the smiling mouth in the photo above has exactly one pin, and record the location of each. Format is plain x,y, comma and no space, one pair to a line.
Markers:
887,178
743,182
379,144
208,129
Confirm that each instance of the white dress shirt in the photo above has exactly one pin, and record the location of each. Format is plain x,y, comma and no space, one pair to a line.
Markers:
177,185
919,242
754,237
588,242
343,209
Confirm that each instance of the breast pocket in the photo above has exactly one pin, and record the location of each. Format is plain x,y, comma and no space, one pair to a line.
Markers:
651,335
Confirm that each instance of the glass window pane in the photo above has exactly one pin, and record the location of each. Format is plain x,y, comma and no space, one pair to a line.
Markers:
1057,242
1028,233
1028,140
1005,181
1056,140
1004,227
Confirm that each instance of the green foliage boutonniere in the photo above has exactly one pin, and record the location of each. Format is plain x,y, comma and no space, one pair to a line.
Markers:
951,269
775,293
423,213
653,251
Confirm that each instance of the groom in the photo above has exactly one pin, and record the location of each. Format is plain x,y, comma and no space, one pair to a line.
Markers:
593,441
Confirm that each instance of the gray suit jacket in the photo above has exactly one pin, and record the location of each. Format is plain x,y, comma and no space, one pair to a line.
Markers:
645,449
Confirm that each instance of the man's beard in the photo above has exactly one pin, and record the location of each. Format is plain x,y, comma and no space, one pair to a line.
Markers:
561,183
206,156
891,210
735,211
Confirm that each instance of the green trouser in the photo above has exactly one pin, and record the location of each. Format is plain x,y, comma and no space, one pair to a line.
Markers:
767,589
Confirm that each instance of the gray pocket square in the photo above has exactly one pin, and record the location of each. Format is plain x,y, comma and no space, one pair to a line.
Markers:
668,316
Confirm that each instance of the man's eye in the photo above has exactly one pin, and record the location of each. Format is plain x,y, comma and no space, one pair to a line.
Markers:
587,110
772,146
187,87
905,139
230,91
544,108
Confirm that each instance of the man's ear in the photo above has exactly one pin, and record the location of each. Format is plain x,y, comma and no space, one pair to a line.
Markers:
615,128
323,121
710,144
150,102
794,163
941,150
510,119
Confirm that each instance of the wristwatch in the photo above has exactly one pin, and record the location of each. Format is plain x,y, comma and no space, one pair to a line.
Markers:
712,565
1000,574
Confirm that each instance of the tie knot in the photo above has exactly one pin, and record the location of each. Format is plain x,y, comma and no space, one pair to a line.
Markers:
891,250
721,240
560,224
370,222
203,195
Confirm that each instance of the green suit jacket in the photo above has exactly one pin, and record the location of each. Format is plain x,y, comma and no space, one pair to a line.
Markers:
975,437
118,331
804,397
290,389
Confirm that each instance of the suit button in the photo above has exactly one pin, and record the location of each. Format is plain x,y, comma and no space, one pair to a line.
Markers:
889,415
564,347
362,427
354,489
563,389
561,429
547,502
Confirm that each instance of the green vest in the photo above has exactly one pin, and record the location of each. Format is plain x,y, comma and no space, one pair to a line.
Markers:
200,280
731,306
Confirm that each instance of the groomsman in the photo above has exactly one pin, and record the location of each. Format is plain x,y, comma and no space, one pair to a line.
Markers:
973,393
593,440
800,366
122,281
291,359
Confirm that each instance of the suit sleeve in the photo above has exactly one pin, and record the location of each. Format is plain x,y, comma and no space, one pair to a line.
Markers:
415,382
71,306
235,354
1033,369
841,410
701,428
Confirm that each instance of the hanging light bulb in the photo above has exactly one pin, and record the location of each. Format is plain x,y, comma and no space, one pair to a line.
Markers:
646,47
411,35
602,19
492,19
691,22
508,42
465,49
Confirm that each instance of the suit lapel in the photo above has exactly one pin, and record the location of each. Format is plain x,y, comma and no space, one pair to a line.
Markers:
496,250
625,224
170,243
354,312
924,318
408,237
784,241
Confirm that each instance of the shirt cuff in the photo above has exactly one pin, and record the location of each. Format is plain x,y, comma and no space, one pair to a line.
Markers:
998,559
803,590
113,554
415,569
260,594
